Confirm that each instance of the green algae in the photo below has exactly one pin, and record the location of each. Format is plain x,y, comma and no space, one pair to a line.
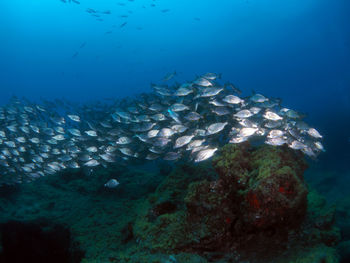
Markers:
204,207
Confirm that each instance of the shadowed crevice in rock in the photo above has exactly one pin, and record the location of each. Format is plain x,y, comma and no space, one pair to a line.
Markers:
37,242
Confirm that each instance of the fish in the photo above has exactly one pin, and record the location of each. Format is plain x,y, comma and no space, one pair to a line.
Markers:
74,117
314,133
278,141
242,114
296,145
232,99
187,121
176,107
92,163
247,132
272,116
204,155
192,116
171,156
184,90
169,76
182,141
212,76
112,183
210,92
258,98
75,54
203,82
216,127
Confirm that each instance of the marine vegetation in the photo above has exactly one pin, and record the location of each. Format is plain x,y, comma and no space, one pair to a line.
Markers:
252,204
249,203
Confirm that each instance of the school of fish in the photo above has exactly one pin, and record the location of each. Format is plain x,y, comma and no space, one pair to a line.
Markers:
187,121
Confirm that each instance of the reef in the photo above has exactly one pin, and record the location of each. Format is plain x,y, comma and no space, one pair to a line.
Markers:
38,241
251,202
247,204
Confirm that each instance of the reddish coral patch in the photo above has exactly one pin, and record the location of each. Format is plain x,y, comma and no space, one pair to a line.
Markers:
253,200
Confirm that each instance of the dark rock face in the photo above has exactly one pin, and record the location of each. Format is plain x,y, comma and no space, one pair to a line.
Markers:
127,233
30,242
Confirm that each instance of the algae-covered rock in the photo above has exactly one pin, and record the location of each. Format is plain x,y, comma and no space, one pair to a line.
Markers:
162,223
272,192
254,208
316,254
259,195
247,204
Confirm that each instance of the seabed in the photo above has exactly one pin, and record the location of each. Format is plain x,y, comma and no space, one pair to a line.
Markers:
247,204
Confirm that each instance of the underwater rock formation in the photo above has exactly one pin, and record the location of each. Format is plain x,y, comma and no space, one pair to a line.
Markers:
174,211
37,242
252,201
259,195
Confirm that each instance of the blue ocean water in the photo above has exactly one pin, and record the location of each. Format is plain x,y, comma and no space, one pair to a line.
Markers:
296,50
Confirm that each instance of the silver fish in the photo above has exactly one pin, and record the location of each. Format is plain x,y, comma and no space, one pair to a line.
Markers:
204,155
216,127
183,140
112,183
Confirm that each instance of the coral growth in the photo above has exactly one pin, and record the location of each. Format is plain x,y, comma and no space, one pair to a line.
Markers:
259,195
256,204
247,204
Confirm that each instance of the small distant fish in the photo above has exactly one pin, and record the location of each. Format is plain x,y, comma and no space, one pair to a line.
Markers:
91,133
112,183
172,156
232,99
75,54
233,88
91,11
242,114
203,82
75,118
123,25
258,98
176,107
169,76
165,10
76,2
314,133
82,45
92,163
276,141
272,116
